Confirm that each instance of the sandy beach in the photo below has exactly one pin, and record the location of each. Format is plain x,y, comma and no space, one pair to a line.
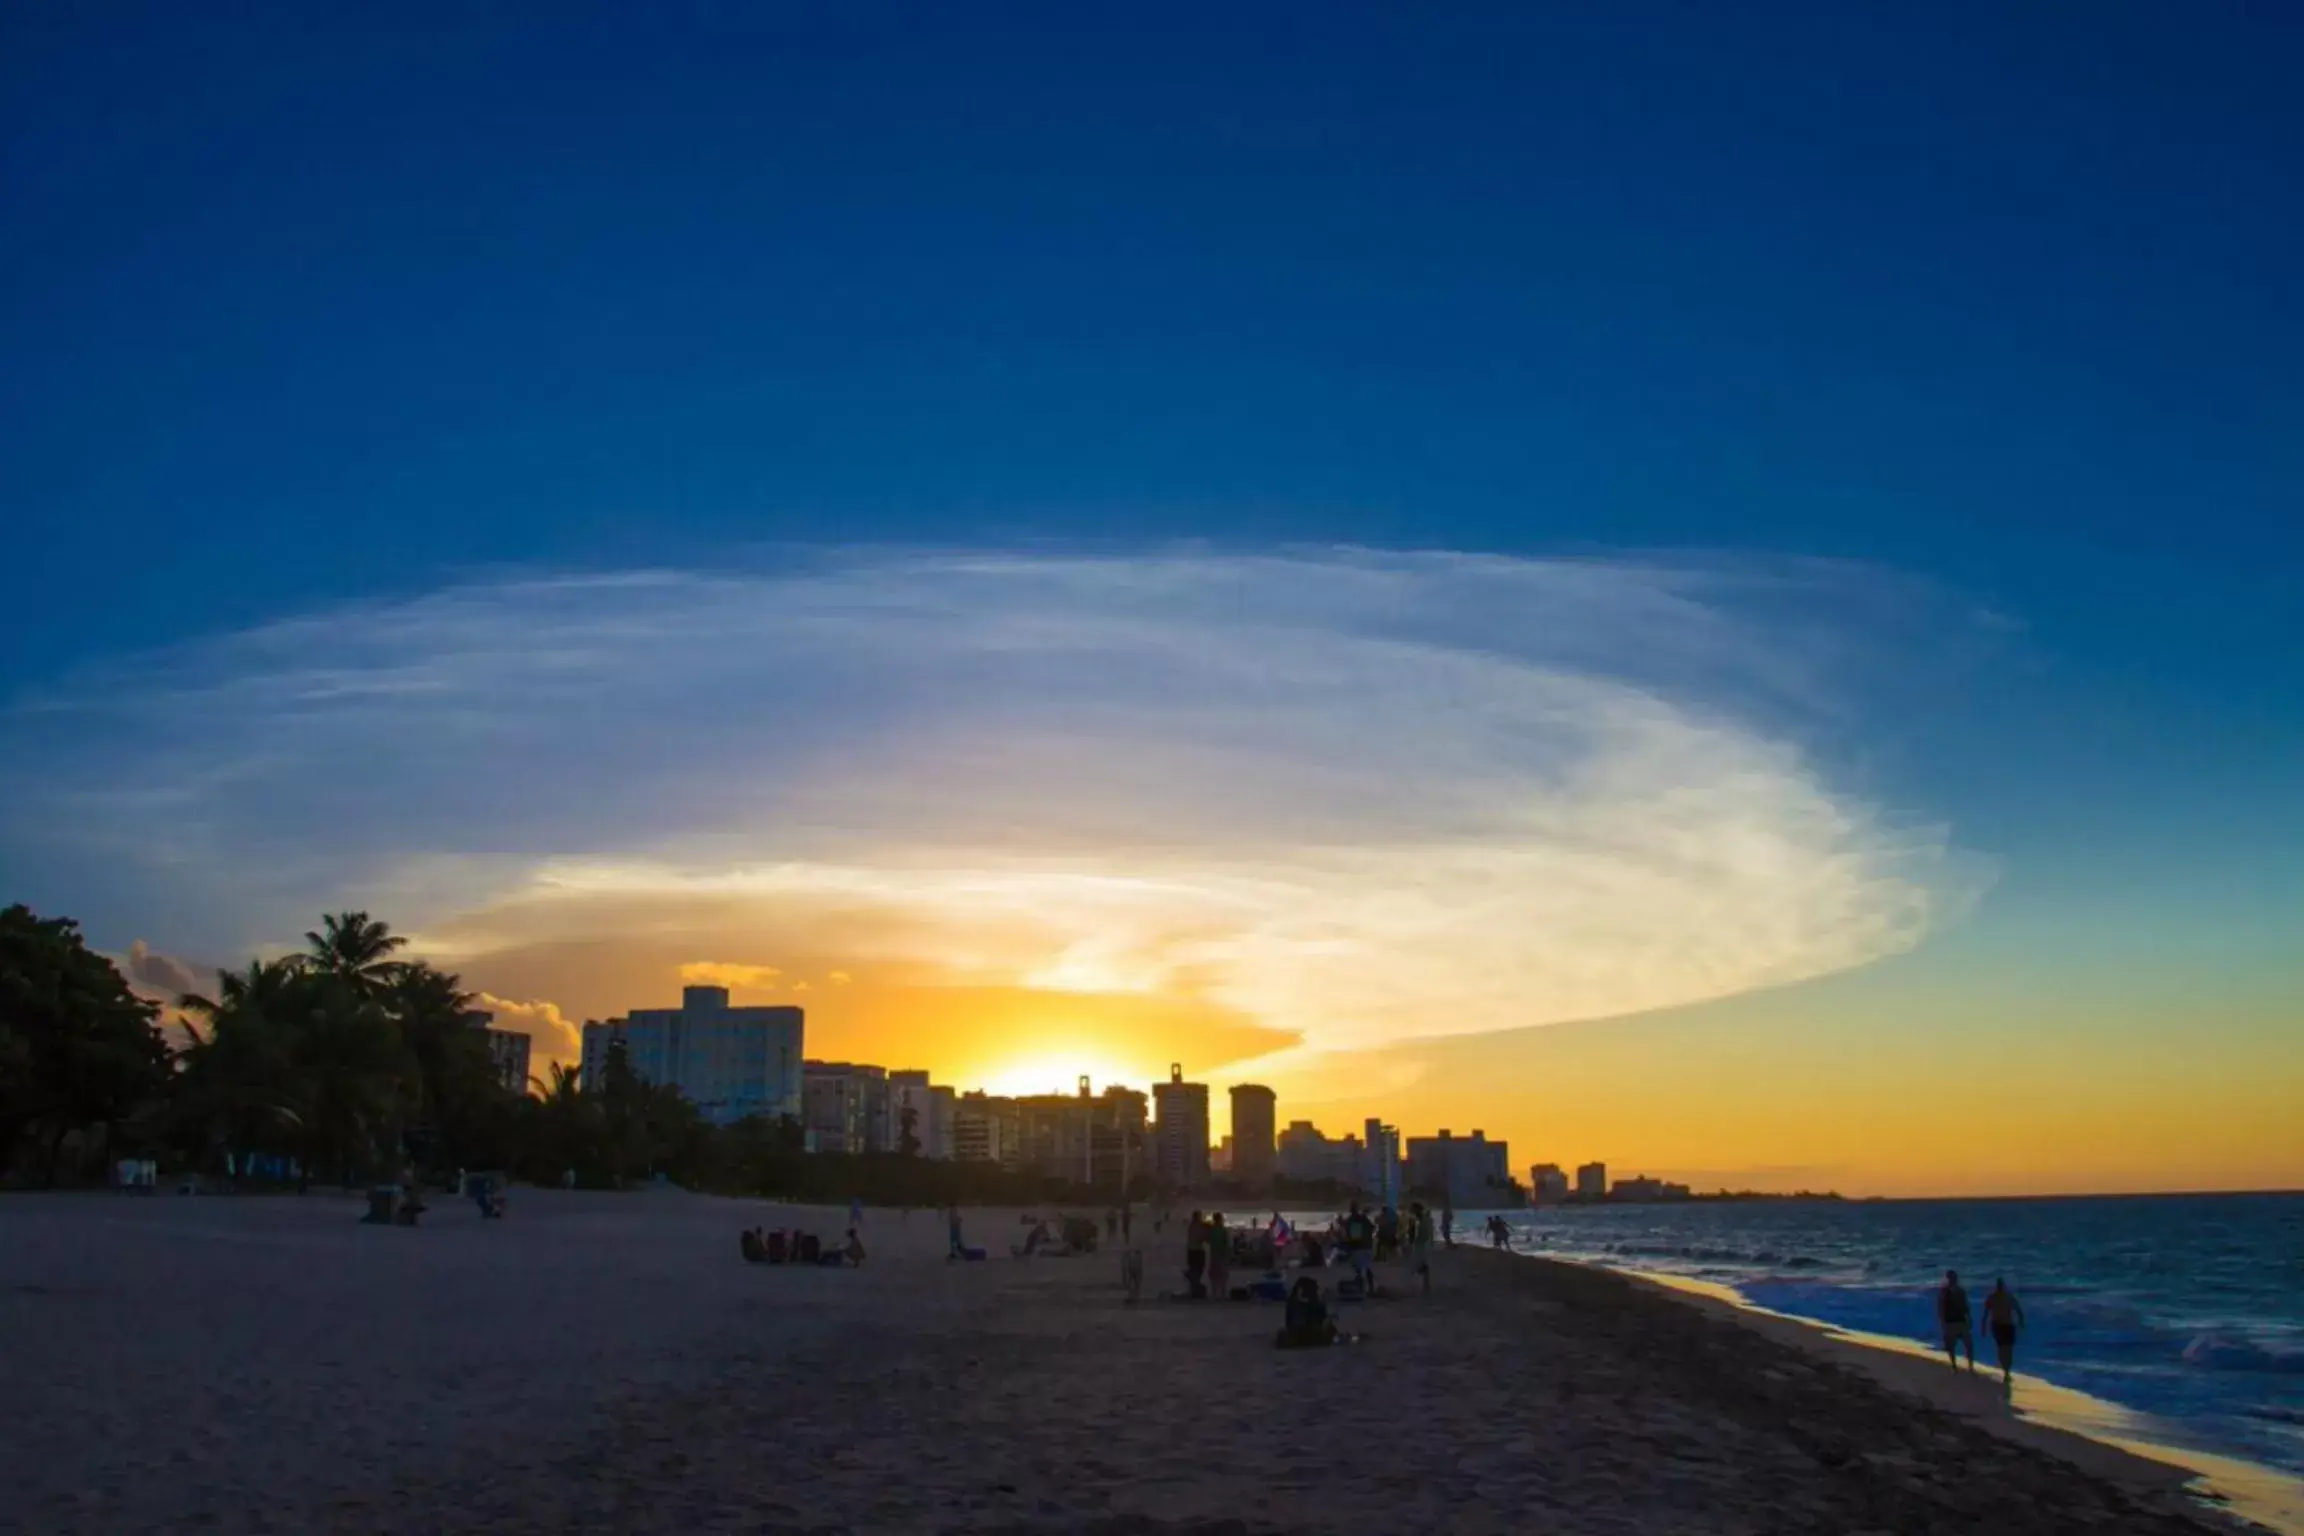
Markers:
606,1362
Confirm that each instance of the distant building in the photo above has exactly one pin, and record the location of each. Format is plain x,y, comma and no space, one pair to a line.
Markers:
1255,1108
1117,1135
846,1107
1180,1135
729,1062
1305,1156
508,1053
1547,1184
931,1108
1592,1181
1644,1188
1059,1134
1382,1177
1469,1172
1220,1160
987,1129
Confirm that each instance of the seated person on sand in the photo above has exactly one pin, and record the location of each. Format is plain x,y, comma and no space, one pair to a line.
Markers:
1307,1323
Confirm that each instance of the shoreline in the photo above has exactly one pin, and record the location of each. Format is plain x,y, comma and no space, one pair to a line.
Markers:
2101,1437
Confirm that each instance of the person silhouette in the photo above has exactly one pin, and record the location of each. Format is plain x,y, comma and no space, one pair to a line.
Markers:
2004,1315
1953,1321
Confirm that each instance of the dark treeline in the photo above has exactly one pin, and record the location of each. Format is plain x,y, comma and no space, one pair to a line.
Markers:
349,1064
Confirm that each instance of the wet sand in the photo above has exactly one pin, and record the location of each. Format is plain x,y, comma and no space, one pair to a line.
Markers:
607,1363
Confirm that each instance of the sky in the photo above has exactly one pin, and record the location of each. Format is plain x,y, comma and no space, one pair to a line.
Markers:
1711,588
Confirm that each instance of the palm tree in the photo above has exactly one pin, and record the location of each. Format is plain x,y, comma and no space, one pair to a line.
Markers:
452,1084
356,949
262,985
293,1058
564,1126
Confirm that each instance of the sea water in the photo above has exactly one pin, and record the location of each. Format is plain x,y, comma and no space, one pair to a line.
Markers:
2186,1309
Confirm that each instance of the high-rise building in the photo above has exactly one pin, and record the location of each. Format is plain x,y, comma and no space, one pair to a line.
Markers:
1305,1156
1180,1136
1547,1184
1469,1172
1381,1173
930,1106
987,1129
1592,1181
1116,1136
509,1051
846,1107
729,1062
1255,1111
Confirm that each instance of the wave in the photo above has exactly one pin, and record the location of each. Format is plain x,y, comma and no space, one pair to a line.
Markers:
2214,1351
1697,1253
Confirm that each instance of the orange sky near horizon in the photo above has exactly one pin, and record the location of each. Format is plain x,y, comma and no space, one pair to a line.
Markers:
1874,1083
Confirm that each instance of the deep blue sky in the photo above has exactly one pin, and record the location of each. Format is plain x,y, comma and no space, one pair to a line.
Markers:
308,303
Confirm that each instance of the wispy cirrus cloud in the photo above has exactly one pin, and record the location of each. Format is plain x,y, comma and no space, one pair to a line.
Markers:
1358,797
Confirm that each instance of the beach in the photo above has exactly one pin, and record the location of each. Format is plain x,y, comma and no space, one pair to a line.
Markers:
607,1362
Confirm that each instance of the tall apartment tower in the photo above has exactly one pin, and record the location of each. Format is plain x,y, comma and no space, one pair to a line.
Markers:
1180,1134
1255,1128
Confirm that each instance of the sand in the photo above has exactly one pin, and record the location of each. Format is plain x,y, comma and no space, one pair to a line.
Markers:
605,1362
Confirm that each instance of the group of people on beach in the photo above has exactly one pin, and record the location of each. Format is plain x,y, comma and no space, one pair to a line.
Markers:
2003,1316
795,1246
1358,1239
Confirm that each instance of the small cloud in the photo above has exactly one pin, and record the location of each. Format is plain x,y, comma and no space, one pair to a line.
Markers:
729,973
840,978
557,1039
799,986
151,971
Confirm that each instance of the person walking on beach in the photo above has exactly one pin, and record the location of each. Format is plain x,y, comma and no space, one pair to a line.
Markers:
1420,1244
856,1210
1448,1221
1952,1319
958,1249
1219,1257
1196,1256
2003,1314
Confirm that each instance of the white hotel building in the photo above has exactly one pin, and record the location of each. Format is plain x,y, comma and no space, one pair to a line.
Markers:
730,1062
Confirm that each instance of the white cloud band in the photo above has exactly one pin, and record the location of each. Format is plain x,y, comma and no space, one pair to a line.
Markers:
1360,797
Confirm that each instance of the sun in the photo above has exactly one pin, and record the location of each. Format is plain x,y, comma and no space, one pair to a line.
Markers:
1057,1072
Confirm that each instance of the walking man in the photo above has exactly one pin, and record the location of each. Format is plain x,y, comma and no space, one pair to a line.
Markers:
2004,1315
1952,1317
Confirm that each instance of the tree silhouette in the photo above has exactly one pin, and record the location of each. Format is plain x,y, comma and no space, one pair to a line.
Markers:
356,949
77,1047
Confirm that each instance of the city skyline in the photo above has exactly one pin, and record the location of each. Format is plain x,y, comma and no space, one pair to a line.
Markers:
1718,594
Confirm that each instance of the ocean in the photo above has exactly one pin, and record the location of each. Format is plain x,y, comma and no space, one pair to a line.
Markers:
2185,1310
